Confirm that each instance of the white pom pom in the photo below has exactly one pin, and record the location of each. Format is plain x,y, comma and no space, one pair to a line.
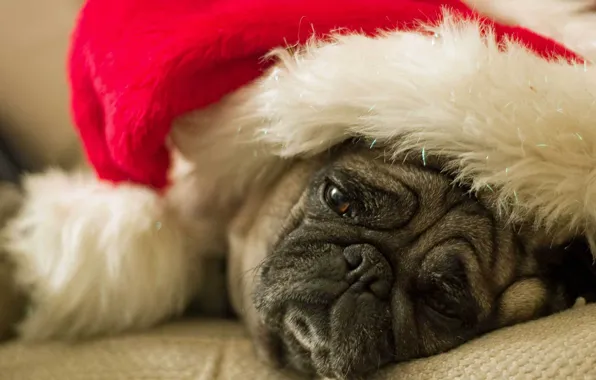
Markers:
97,258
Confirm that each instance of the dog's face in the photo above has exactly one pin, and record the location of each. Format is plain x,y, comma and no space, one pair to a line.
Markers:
371,262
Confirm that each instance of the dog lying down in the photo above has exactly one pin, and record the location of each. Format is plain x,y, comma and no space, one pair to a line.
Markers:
363,262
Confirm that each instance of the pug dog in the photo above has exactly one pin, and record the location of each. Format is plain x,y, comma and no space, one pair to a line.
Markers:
353,261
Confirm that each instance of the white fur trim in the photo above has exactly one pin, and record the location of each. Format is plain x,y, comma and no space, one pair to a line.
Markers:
96,258
509,121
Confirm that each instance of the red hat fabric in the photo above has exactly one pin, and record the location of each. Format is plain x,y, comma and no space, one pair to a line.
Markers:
136,65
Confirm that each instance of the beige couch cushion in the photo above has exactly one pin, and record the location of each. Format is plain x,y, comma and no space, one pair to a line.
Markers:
559,347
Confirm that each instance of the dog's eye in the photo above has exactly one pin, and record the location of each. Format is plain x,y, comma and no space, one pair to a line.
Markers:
444,312
443,308
339,202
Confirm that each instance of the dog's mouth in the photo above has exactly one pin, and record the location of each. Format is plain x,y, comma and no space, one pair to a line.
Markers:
332,314
343,312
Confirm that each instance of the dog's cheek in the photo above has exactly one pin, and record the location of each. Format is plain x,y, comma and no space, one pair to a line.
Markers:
522,301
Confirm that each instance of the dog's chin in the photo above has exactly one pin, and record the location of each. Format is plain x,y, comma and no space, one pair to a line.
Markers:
354,337
326,325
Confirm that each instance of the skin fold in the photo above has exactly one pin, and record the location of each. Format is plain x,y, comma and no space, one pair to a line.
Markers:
352,262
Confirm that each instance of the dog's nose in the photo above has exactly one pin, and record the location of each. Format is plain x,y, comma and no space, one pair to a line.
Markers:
368,270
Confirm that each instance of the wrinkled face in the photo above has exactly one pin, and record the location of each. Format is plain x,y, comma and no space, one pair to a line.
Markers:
381,262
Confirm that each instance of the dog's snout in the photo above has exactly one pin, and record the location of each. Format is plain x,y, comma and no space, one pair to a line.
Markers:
330,307
368,270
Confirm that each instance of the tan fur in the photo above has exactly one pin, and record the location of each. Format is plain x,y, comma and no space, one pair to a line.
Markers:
252,232
522,300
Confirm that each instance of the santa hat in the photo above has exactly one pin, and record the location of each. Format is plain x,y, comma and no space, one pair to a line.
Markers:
240,86
137,65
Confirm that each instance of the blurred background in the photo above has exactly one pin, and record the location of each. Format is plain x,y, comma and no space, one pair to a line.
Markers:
35,126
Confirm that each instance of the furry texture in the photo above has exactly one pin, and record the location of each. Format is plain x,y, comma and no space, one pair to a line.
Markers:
508,120
136,65
97,259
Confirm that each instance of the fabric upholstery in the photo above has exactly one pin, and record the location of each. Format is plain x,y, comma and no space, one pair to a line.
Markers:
558,347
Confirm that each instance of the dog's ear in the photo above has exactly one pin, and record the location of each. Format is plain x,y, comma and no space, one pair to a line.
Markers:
576,270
